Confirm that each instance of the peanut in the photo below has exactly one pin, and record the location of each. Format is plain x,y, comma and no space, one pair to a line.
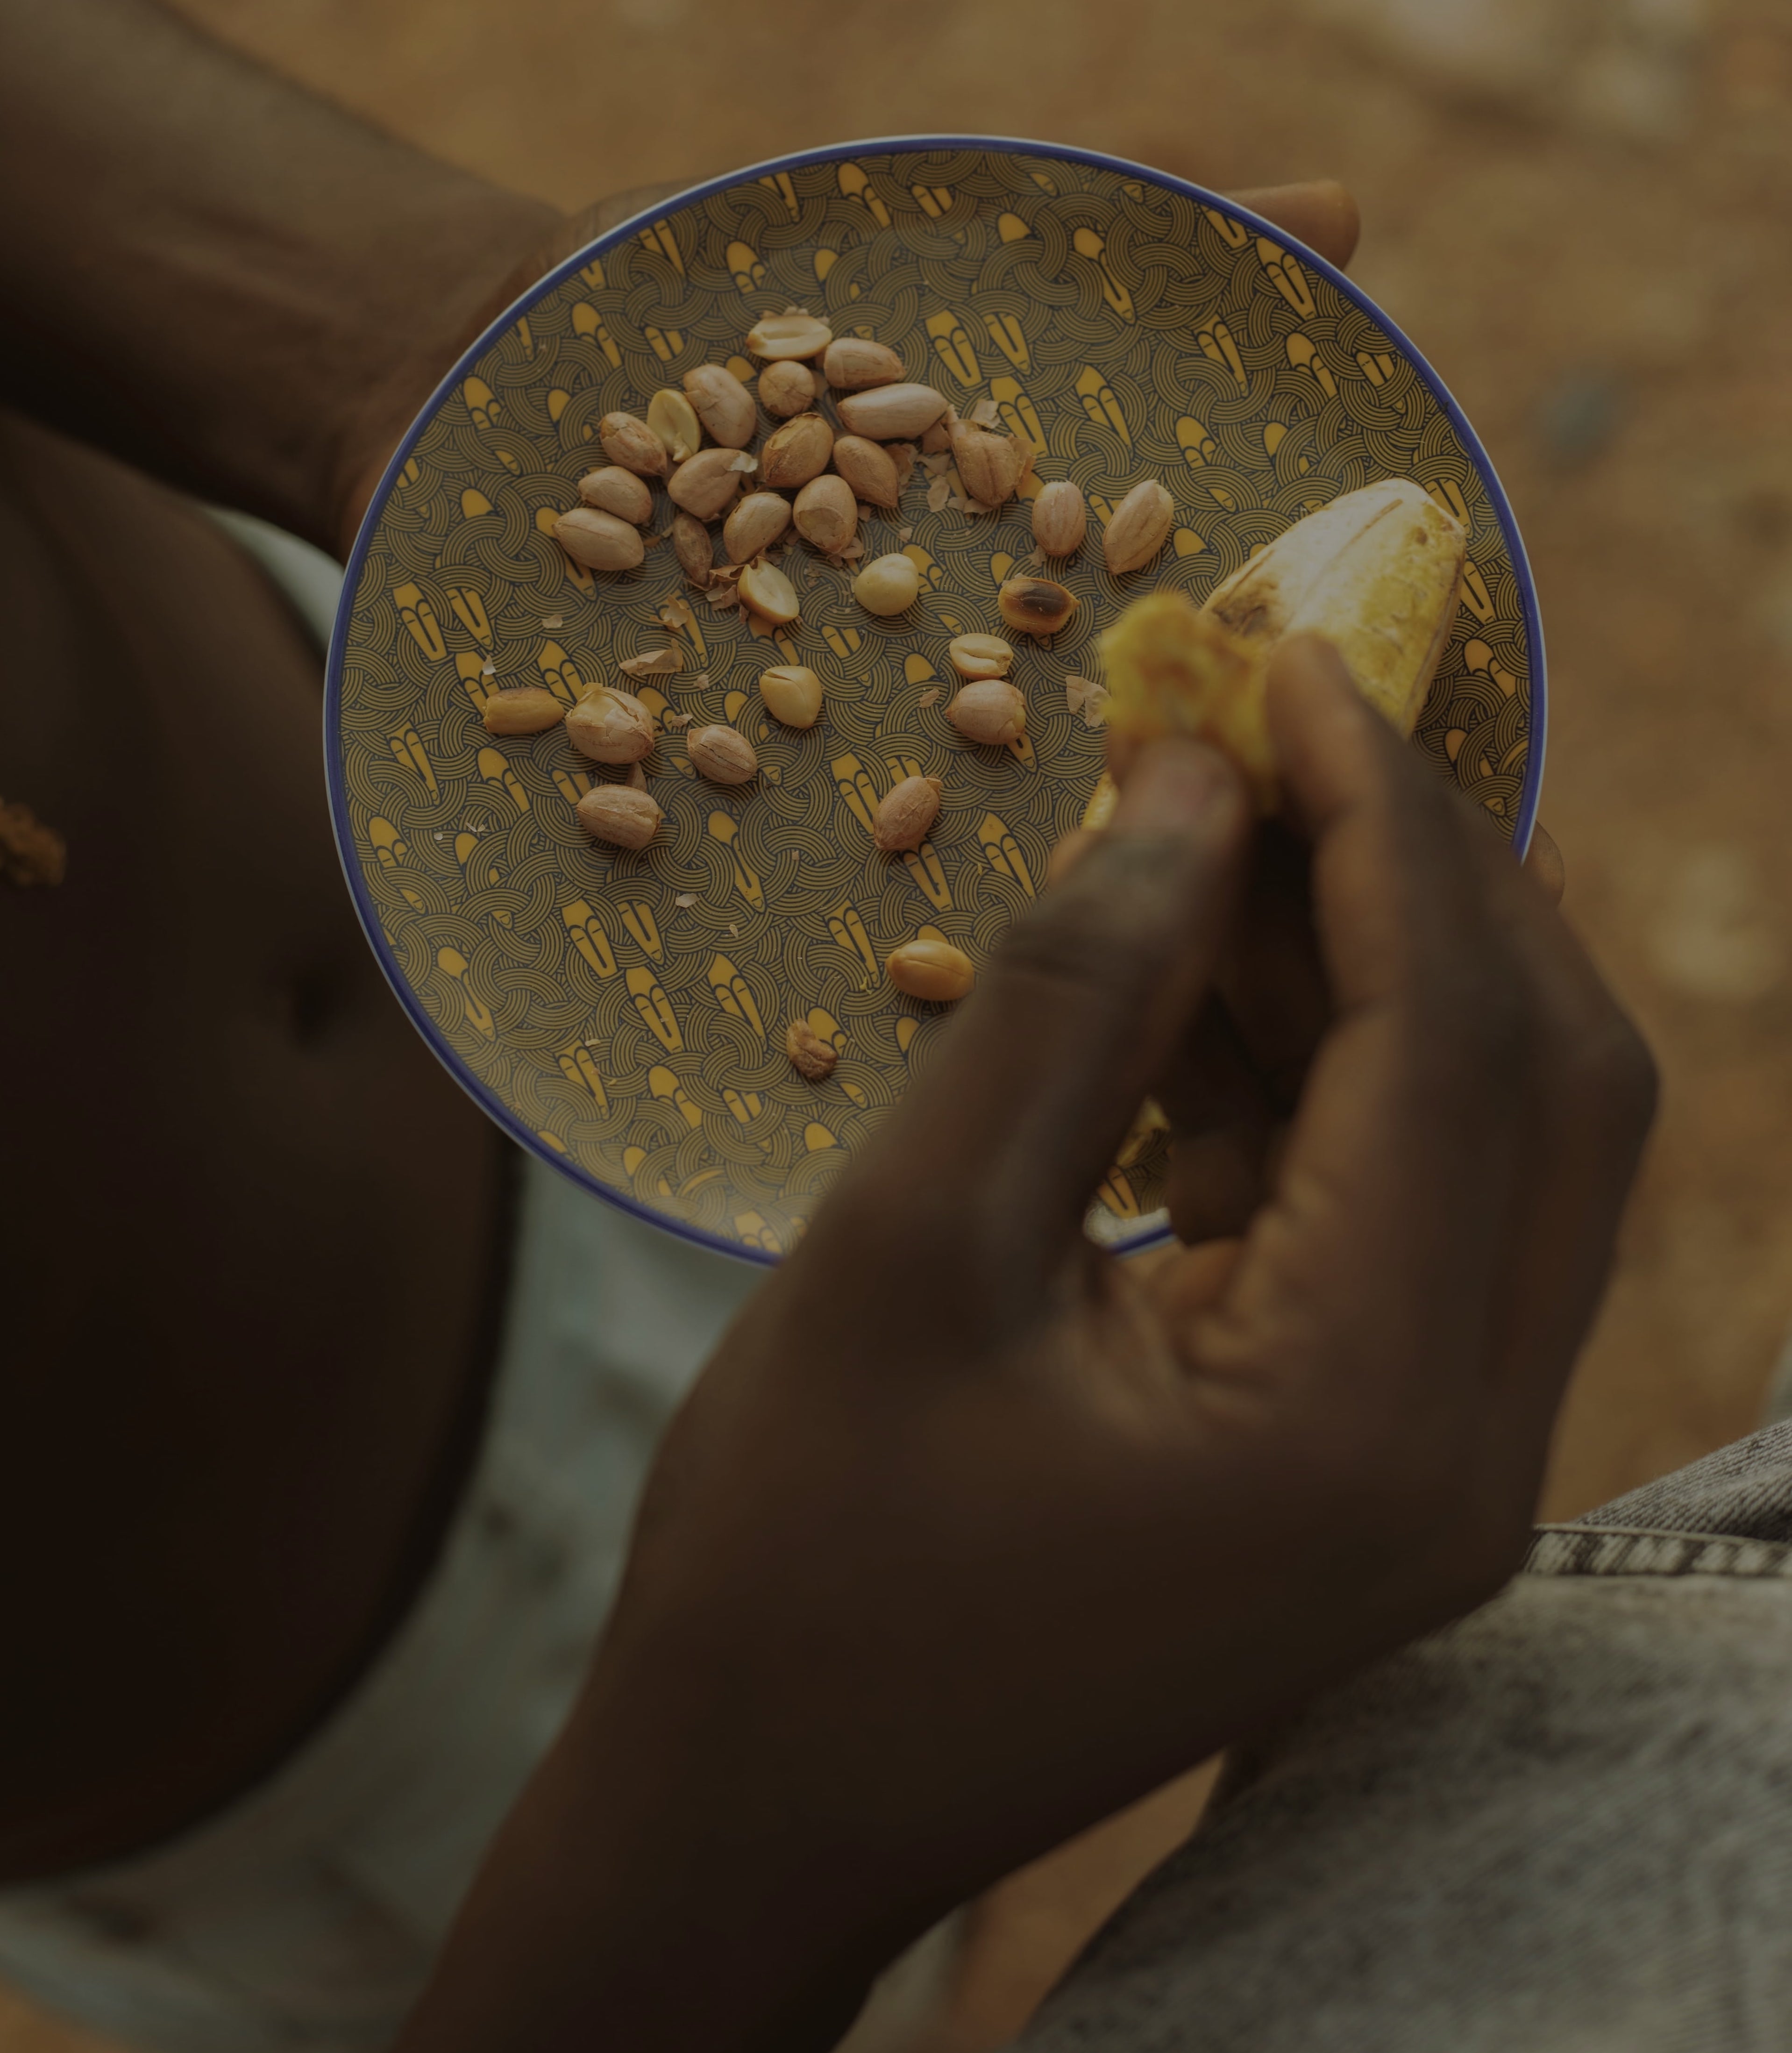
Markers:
670,416
610,727
1139,528
1060,519
599,540
796,452
812,1058
979,656
787,387
722,404
781,335
886,585
933,970
630,442
614,490
992,712
528,709
754,524
853,364
694,547
892,413
616,814
907,812
869,469
1035,606
826,513
792,694
770,594
707,483
722,754
990,466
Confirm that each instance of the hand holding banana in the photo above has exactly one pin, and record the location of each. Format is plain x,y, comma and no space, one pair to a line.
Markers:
969,1535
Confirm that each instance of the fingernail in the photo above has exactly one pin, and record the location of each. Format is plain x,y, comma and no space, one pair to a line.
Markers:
1172,784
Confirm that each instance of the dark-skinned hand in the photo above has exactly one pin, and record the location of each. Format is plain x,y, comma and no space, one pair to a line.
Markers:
969,1535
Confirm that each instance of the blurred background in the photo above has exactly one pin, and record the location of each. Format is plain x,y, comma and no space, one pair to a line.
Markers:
1581,211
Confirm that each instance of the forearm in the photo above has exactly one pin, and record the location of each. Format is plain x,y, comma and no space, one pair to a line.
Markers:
209,272
626,1903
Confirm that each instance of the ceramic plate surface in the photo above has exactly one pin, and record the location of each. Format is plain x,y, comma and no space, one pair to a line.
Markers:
624,1014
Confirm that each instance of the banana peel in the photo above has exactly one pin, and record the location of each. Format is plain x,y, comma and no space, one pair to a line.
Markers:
1378,572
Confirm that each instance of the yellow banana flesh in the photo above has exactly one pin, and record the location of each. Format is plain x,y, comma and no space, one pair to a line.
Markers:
1378,572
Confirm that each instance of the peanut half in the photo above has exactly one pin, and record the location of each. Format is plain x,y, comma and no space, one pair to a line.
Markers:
827,514
754,524
630,442
1060,519
787,387
706,485
976,656
770,594
599,540
892,413
869,469
610,727
932,970
614,490
528,709
722,404
853,364
619,814
787,336
722,754
792,694
992,712
1139,528
907,810
670,417
796,452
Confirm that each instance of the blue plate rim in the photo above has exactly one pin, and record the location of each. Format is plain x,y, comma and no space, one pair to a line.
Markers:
335,783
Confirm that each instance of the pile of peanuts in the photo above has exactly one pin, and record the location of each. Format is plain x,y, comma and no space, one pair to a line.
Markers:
821,484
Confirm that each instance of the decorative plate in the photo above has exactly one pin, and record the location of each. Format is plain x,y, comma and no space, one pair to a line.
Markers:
624,1014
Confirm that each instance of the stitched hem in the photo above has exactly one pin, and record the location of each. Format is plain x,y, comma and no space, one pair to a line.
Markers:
1620,1550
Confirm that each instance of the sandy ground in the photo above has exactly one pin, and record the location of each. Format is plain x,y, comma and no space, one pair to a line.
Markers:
1578,210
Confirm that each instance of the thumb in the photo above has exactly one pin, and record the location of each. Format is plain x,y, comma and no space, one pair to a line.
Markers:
1080,1010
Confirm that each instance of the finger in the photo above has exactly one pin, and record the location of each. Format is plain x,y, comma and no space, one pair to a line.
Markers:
1216,1184
1319,212
1398,1175
1273,982
1594,1082
1221,1122
1070,851
1019,1118
1544,865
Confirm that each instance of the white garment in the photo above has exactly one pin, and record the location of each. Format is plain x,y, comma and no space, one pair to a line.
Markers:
306,1915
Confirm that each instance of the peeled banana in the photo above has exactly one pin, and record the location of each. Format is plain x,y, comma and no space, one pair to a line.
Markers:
1378,572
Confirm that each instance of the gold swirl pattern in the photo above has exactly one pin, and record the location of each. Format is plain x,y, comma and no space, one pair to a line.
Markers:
1127,327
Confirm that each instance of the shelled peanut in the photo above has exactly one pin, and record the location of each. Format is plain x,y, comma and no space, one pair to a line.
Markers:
812,481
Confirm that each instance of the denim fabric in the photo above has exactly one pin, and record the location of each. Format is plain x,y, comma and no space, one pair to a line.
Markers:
1563,1824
